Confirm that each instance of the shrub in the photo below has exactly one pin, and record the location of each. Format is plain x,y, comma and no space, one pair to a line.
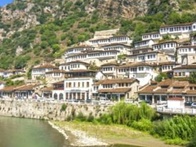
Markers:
142,125
63,107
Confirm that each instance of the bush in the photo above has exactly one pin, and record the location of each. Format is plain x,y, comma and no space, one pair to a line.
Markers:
63,107
142,125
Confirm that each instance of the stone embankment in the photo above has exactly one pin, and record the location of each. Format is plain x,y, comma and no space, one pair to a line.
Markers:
48,110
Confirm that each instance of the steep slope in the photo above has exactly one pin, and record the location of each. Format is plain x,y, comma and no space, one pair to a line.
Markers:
35,30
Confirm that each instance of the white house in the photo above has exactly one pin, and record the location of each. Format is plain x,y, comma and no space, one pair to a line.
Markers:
58,91
40,71
184,70
123,49
186,54
55,76
74,65
141,71
180,30
175,103
151,36
78,88
77,50
116,89
166,45
144,44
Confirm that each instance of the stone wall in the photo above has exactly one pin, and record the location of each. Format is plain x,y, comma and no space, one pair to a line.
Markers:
48,110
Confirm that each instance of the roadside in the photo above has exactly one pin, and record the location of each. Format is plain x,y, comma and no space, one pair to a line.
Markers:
89,134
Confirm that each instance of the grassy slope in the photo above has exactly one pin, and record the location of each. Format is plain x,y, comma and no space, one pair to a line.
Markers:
114,134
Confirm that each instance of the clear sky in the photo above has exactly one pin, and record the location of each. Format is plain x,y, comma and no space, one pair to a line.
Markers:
4,2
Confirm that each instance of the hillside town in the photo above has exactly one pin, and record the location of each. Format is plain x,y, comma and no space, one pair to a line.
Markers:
112,67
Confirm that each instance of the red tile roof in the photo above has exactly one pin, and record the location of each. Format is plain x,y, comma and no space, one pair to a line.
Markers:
115,90
116,81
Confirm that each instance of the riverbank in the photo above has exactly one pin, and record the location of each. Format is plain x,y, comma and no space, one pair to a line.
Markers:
76,137
90,134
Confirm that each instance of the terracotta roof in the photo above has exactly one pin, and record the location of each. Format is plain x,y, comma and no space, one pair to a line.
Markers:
191,92
77,61
176,83
82,46
8,88
187,46
115,81
80,70
175,99
115,90
25,88
192,66
45,66
134,64
148,89
145,53
47,89
165,42
115,44
110,63
166,82
168,63
161,90
60,82
184,24
150,33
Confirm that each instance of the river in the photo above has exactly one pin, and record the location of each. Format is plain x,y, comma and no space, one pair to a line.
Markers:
17,132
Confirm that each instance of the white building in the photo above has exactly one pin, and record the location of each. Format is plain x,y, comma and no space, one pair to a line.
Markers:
184,70
141,71
77,50
167,45
123,49
74,65
151,36
144,44
78,88
179,30
40,71
116,89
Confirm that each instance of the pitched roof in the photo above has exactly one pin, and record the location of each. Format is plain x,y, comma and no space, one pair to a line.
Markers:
115,90
25,88
45,66
176,99
192,66
116,81
55,71
77,61
135,64
174,25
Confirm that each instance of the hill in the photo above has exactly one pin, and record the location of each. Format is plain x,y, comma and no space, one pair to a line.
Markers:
33,31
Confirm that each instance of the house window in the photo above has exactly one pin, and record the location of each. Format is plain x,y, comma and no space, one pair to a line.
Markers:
87,84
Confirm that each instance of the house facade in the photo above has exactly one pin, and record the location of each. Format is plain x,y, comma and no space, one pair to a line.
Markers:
116,89
40,71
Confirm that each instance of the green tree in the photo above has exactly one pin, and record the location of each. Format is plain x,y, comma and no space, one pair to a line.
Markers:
192,77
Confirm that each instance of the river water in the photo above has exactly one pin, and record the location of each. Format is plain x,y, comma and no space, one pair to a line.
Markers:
16,132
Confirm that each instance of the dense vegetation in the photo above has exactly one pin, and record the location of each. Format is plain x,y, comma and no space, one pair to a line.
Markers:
70,23
179,130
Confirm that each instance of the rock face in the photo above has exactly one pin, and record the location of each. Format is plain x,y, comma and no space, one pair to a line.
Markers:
22,15
51,111
124,8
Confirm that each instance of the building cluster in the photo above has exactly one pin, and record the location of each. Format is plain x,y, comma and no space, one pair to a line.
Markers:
111,66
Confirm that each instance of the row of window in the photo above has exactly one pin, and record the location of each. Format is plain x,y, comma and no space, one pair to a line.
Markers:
112,86
77,84
178,28
162,46
185,50
151,36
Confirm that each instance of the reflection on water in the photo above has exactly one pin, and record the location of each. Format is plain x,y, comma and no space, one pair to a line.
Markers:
16,132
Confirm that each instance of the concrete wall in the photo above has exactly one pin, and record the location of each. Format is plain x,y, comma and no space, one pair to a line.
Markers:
45,110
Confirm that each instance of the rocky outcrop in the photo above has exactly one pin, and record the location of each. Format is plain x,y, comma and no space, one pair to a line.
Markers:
48,110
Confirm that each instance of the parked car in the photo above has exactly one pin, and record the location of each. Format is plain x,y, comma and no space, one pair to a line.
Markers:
193,105
188,103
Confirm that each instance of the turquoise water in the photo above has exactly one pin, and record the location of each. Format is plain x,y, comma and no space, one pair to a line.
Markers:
16,132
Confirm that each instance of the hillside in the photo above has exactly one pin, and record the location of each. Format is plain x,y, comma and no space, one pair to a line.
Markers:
34,31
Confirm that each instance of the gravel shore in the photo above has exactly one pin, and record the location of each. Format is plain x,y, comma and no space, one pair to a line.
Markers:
78,138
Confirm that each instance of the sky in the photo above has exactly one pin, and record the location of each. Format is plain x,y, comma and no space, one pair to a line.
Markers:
4,2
